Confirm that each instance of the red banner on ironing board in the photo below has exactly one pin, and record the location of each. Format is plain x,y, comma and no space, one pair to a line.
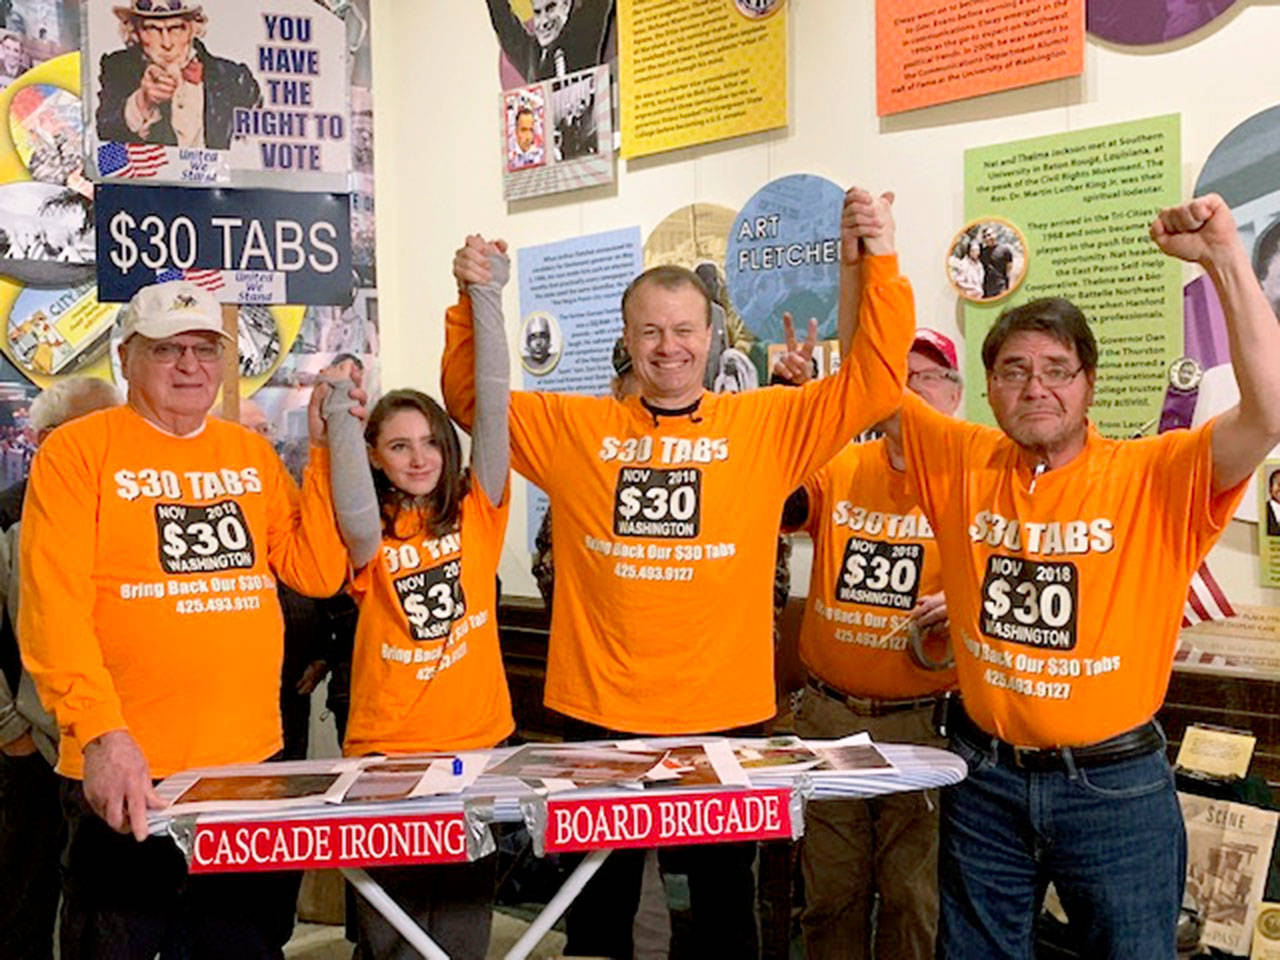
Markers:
304,844
667,819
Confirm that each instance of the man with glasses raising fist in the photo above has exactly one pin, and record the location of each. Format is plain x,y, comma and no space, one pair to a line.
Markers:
1065,561
152,538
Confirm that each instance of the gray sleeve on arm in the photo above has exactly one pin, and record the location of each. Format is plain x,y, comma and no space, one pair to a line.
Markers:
490,453
355,502
12,723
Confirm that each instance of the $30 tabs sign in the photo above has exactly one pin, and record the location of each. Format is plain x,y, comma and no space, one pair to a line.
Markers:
667,820
244,246
249,846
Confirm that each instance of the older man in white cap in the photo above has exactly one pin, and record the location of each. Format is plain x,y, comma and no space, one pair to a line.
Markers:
151,541
165,86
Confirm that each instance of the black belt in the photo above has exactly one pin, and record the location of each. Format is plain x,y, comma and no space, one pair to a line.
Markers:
1125,746
869,707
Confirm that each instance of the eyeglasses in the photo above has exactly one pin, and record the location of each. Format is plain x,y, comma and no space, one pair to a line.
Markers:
170,351
1017,375
933,377
158,6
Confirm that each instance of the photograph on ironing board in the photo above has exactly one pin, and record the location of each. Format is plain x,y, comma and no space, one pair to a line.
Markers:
698,763
387,779
570,765
852,754
634,764
258,787
784,754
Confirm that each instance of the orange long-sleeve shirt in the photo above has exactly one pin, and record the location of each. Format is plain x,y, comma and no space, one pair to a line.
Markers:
664,527
873,557
1065,590
427,670
148,565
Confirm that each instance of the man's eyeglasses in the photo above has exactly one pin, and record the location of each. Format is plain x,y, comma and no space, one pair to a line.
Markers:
170,351
1018,375
933,377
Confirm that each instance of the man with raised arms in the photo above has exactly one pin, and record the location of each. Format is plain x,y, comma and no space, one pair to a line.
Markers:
665,510
1065,561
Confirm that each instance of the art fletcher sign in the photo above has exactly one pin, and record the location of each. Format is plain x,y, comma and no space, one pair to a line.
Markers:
248,846
667,819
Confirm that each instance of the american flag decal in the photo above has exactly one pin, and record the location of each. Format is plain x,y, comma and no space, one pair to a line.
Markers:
131,161
1205,599
210,280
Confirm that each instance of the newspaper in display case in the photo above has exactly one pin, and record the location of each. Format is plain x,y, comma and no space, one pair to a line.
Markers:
1246,645
1228,856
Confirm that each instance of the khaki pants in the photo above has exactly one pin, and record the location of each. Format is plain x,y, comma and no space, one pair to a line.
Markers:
854,850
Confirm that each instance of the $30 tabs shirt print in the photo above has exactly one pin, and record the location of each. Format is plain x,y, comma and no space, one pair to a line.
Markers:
874,557
427,672
148,585
1065,598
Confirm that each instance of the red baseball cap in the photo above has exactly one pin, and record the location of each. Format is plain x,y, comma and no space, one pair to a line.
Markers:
936,344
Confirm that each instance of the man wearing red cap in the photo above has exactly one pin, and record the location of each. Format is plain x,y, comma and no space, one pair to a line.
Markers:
874,643
165,86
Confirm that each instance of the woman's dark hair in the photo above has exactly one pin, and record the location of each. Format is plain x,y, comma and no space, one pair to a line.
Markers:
1059,318
439,509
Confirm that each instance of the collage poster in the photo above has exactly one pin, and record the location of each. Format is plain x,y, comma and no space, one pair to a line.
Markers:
556,109
54,324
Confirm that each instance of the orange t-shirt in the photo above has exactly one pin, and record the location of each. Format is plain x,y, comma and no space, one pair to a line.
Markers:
1065,595
148,593
664,528
873,557
427,671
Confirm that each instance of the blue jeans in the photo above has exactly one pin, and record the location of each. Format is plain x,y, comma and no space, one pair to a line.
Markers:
1111,840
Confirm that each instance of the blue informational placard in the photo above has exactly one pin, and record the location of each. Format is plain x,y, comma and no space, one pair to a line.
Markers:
245,246
570,316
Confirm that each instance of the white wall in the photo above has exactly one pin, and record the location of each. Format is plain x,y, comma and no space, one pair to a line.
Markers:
438,165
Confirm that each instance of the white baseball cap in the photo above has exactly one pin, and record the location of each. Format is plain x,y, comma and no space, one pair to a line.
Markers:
166,309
